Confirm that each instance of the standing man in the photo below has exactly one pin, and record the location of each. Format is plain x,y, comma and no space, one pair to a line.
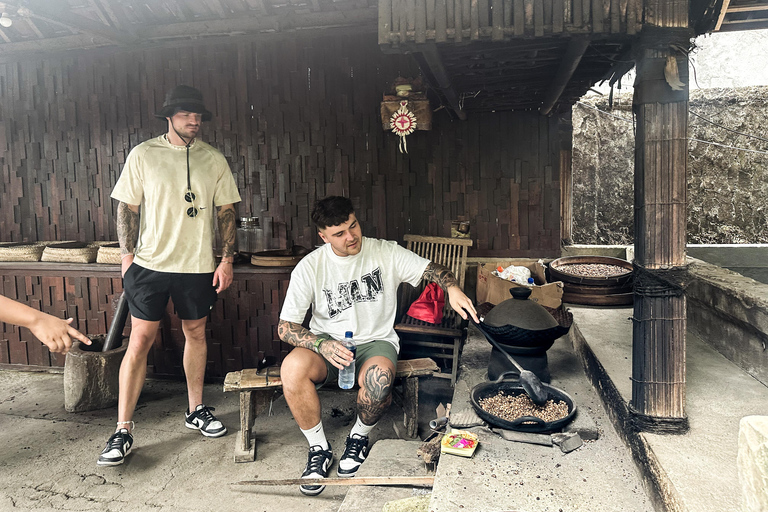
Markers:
351,284
169,191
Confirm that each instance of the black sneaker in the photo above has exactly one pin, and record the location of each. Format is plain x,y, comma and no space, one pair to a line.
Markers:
318,463
354,456
118,446
205,422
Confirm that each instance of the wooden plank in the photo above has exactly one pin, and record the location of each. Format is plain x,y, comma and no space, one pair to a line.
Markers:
458,23
558,16
441,20
421,21
519,17
597,16
721,16
413,481
474,20
483,7
385,21
497,20
615,14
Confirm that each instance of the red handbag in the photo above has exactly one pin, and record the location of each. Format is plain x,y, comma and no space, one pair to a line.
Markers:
429,306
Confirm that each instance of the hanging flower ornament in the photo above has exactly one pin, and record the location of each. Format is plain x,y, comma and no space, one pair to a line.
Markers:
403,123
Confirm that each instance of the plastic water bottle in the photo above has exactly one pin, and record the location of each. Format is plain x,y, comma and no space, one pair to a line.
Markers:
347,374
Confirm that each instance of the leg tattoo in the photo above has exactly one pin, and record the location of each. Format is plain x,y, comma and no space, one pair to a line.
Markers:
376,394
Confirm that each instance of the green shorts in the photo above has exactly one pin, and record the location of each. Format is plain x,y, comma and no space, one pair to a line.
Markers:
364,352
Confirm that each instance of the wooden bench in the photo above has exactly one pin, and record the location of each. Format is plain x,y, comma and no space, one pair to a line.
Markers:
441,340
257,387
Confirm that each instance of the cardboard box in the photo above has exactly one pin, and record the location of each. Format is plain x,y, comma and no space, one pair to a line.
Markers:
496,290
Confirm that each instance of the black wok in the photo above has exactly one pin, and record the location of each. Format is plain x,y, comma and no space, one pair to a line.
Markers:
525,423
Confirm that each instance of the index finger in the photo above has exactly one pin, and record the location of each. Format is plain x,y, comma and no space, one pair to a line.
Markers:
74,333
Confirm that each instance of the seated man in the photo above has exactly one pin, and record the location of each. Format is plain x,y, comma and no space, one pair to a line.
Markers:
351,284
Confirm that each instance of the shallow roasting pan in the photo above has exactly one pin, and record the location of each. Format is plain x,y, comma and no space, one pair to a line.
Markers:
525,423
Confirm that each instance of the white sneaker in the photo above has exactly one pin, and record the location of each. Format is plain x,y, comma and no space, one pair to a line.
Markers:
318,463
354,455
204,421
118,446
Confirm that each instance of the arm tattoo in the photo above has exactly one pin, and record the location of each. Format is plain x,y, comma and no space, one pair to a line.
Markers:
441,275
227,229
127,228
376,395
296,335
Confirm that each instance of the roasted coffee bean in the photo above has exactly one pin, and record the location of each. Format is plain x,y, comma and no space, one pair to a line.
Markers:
592,270
511,407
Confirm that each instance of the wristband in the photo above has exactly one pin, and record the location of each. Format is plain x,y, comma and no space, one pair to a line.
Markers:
317,344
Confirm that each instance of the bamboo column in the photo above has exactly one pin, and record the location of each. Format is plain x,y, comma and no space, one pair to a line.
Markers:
661,160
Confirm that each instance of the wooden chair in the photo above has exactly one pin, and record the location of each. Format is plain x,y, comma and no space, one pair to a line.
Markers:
441,340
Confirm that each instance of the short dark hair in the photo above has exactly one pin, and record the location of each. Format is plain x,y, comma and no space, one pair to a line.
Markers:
332,211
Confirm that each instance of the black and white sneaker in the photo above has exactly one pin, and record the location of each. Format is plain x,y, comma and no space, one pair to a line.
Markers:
118,446
318,463
205,422
354,455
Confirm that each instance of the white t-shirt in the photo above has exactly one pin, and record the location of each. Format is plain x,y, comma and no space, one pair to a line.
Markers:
353,293
155,177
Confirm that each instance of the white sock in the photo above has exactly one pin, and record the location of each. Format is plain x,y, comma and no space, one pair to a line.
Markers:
316,436
361,429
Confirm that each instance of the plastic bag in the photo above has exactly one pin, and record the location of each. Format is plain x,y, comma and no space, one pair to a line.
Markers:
429,306
514,273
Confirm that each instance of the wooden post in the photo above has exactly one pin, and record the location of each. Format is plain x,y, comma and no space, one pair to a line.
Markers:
565,130
661,158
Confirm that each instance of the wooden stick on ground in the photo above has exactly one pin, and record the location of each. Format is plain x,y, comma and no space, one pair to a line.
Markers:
414,481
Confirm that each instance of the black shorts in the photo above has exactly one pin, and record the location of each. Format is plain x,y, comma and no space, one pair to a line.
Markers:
148,291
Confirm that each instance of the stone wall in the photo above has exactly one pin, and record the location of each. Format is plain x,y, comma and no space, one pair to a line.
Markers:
727,187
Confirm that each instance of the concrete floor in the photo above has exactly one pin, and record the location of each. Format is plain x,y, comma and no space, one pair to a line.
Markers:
48,456
699,468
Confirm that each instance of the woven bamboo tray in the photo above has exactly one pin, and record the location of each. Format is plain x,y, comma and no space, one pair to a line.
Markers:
21,251
108,253
279,258
70,252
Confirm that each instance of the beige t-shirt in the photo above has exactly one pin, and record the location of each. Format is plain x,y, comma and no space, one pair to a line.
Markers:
155,177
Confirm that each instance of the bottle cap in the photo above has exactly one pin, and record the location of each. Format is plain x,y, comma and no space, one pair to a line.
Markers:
348,334
530,280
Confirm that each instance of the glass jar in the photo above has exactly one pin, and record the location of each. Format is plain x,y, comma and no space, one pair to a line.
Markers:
250,236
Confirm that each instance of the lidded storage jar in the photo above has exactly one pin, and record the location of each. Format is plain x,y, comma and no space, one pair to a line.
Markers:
250,236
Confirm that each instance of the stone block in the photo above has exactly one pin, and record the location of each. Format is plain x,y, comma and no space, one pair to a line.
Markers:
584,425
567,441
91,377
752,463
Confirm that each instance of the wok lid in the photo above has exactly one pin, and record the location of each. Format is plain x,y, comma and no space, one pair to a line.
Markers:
520,312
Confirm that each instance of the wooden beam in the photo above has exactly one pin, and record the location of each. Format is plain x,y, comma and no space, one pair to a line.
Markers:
50,13
255,24
428,58
104,5
747,8
79,41
721,17
357,20
738,25
575,51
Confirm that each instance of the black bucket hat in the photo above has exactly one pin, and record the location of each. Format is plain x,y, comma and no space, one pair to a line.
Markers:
183,97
